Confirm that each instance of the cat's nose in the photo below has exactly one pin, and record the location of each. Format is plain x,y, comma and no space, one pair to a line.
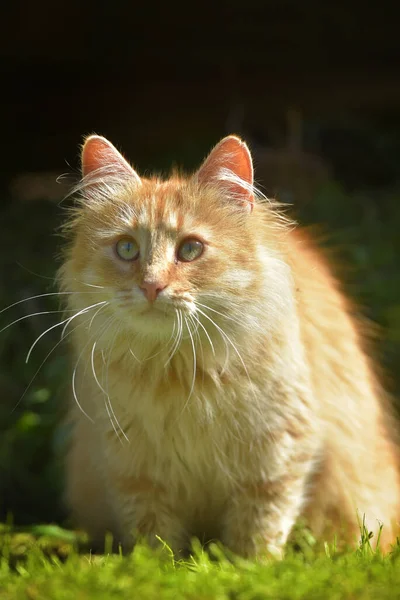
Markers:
151,289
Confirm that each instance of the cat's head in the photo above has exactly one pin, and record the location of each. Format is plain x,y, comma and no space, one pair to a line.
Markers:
196,252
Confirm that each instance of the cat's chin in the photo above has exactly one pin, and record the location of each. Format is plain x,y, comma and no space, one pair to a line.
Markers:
154,322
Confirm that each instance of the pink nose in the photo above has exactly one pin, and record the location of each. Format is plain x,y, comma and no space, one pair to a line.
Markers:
151,289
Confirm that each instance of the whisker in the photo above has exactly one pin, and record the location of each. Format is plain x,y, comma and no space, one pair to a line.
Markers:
194,360
198,337
105,327
33,272
67,321
106,397
222,337
43,296
52,278
96,313
105,400
93,369
108,407
89,326
43,362
107,386
219,313
222,332
43,312
200,324
194,371
100,287
103,305
134,356
177,338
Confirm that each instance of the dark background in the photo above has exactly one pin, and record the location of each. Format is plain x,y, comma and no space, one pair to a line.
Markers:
313,87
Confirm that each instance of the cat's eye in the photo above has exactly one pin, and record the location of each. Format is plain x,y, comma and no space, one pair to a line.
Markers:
190,249
127,249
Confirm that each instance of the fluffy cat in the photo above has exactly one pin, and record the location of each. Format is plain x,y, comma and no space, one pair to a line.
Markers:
221,388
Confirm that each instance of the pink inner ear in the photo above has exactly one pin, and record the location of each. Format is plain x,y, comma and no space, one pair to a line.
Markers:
238,159
99,153
231,154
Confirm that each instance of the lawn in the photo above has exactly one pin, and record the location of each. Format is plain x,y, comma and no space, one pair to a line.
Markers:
46,564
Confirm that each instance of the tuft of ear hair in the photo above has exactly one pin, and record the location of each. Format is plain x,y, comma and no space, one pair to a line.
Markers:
100,156
229,166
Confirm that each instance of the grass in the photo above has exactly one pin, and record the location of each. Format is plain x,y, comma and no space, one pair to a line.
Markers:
45,564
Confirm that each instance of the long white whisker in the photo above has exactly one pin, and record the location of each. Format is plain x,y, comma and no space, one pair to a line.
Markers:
66,321
104,392
177,338
41,335
94,371
107,387
194,370
106,404
52,278
43,312
43,362
172,351
105,327
96,313
198,337
134,356
100,287
219,313
76,397
89,326
222,332
43,296
222,337
206,333
194,360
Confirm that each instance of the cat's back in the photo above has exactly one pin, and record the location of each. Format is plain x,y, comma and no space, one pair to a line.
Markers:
359,459
333,334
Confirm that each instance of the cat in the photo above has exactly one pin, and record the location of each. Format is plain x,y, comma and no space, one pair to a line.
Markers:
221,388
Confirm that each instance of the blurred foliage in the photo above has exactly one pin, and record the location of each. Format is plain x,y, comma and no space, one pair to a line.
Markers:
363,227
32,394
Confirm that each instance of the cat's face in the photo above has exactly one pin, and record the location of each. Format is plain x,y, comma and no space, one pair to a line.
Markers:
173,252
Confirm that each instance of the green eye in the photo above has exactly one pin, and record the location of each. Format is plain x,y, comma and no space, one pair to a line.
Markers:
127,249
190,249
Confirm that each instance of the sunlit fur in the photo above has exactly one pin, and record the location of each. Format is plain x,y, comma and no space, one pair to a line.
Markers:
240,400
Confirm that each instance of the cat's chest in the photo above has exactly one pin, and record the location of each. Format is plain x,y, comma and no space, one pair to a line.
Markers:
181,427
171,404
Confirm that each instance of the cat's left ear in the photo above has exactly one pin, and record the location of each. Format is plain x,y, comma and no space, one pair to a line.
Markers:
100,156
229,166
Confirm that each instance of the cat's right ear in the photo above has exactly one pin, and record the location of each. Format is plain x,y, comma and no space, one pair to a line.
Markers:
230,167
100,156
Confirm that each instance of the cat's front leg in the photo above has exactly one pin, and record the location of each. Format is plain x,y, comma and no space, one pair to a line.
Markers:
262,510
260,516
146,515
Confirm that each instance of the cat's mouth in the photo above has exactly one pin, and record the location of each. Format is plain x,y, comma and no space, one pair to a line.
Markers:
164,309
155,315
155,320
151,309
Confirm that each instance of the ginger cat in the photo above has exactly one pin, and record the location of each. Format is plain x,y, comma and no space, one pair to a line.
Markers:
220,385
